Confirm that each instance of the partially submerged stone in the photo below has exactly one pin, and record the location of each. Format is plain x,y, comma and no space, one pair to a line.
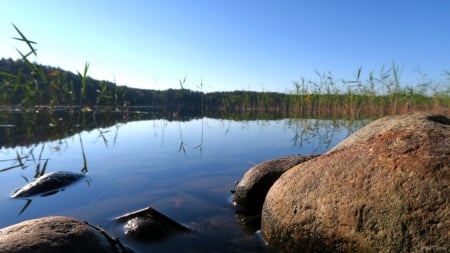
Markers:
56,234
146,228
256,182
384,189
48,184
148,224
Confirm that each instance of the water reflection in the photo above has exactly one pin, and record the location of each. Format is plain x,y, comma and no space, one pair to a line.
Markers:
320,133
184,168
23,128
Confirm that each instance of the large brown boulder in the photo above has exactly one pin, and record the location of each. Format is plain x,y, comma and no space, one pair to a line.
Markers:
256,182
56,234
384,189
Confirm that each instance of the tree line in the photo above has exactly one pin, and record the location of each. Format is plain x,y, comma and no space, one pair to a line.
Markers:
26,85
20,86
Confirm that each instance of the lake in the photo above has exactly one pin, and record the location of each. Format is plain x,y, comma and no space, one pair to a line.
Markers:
185,169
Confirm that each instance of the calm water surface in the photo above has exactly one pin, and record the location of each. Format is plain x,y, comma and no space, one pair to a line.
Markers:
183,169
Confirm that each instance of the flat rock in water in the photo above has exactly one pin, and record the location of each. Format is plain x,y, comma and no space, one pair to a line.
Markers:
56,234
48,184
386,188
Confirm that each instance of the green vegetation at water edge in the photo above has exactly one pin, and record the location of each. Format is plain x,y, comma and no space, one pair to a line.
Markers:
371,98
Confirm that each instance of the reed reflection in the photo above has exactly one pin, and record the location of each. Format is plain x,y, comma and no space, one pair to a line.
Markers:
45,134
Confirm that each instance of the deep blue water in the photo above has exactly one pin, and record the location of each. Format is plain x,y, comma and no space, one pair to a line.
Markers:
183,169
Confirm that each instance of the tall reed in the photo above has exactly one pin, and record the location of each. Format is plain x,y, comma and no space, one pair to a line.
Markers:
377,95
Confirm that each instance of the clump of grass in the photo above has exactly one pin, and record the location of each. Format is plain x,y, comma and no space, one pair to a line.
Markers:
378,95
33,94
47,88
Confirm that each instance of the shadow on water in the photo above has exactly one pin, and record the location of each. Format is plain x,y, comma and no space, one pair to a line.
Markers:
39,137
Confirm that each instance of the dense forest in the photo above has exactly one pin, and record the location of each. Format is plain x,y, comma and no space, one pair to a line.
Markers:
27,85
21,86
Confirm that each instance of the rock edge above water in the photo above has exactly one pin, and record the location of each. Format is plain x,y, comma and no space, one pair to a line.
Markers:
386,188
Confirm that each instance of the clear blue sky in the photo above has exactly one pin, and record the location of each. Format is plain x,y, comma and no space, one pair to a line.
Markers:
231,44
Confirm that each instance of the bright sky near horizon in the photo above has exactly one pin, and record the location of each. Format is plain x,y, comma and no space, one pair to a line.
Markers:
256,45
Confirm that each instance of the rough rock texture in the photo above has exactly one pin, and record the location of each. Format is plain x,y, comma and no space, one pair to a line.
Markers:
384,189
256,182
54,234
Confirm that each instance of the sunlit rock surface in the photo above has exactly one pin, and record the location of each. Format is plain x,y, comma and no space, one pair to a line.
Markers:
55,234
384,189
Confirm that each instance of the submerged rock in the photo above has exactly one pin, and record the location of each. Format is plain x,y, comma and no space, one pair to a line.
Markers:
148,224
146,228
384,189
256,182
48,184
57,234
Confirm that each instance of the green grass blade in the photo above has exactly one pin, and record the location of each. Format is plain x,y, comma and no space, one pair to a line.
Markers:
24,39
25,58
7,75
41,74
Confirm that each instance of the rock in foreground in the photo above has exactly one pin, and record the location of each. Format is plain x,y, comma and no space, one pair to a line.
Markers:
384,189
56,234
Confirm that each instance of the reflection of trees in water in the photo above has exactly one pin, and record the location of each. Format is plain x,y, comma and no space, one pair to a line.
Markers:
320,132
26,128
37,157
23,128
305,132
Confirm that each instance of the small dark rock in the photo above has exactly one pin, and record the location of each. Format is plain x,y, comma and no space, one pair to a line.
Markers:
146,228
256,182
149,224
